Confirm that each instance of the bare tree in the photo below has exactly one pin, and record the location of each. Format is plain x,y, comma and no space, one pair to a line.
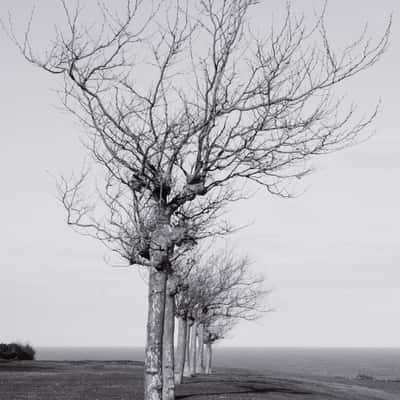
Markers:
180,99
125,225
218,291
215,330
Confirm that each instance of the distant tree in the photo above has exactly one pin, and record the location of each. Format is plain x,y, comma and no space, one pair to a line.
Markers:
180,99
218,291
176,285
214,331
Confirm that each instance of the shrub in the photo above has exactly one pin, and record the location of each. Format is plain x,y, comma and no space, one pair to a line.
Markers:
16,351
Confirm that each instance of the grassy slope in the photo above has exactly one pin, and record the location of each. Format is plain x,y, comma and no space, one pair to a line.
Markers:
45,380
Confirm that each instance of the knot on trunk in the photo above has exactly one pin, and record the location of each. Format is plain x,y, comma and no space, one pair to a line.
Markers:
145,252
162,262
160,187
136,184
161,247
172,285
210,337
195,187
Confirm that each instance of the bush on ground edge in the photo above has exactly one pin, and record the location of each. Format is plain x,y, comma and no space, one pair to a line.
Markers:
16,351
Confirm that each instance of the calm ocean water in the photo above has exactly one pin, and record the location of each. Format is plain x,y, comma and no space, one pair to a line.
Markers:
379,363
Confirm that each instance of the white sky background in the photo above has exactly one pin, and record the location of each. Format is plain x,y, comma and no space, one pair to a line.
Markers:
332,256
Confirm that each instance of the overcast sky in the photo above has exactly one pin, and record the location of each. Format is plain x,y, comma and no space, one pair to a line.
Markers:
332,256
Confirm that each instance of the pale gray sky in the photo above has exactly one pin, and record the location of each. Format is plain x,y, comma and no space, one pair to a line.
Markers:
332,255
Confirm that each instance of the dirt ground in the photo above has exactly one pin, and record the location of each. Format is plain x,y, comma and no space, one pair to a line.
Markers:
123,380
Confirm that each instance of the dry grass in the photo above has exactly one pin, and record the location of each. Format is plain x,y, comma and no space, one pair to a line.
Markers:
123,380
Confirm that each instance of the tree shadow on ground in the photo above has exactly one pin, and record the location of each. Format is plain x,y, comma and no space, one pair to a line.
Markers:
251,391
232,387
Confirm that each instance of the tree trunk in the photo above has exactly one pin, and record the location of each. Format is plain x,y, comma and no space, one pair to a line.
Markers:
181,350
186,367
209,358
200,349
168,344
160,250
155,327
193,349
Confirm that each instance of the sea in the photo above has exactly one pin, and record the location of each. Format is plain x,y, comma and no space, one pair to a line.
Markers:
377,363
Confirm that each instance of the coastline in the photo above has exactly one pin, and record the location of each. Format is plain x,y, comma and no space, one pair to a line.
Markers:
380,363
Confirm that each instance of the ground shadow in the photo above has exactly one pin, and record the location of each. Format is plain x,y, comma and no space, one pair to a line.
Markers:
231,387
252,391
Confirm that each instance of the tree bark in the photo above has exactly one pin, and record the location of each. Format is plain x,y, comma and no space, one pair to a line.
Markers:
168,343
208,358
200,349
181,350
161,248
155,327
193,349
186,367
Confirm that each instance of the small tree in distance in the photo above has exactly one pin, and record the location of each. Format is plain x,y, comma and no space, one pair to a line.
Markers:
214,331
181,104
218,291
